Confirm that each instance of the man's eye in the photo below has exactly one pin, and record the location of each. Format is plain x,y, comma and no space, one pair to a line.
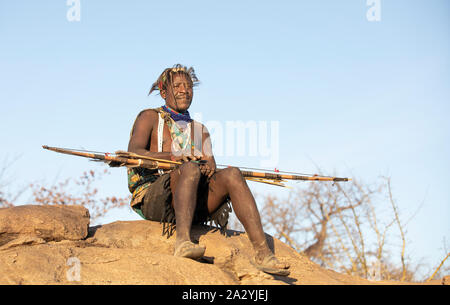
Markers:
179,85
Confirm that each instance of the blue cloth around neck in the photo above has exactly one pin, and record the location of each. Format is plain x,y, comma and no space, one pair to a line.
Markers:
177,116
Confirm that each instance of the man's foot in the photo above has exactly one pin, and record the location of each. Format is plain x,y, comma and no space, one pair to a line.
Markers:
270,264
188,249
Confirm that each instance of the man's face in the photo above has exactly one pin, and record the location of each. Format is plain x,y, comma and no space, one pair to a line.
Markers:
181,97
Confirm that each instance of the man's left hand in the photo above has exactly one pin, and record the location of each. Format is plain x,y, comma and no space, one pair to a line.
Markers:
206,170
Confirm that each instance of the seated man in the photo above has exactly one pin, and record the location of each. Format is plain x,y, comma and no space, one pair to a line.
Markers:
194,192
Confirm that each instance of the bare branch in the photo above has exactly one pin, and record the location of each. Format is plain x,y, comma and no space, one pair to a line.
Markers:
397,219
439,267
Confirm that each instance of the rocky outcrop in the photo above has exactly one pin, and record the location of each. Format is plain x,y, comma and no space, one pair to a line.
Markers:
46,223
54,245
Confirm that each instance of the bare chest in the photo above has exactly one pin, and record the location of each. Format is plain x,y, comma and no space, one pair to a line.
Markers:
166,138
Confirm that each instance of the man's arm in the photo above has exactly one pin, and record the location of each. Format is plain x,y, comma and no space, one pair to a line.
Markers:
140,137
209,167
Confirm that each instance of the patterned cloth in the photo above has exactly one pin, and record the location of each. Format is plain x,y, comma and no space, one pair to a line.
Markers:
139,179
181,137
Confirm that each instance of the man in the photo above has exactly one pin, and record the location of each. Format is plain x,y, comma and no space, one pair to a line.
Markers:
195,192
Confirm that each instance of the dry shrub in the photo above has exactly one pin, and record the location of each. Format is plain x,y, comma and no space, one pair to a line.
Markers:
7,199
80,191
349,227
4,202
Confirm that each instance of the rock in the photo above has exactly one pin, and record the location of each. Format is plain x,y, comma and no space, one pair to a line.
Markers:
50,223
135,252
54,245
23,240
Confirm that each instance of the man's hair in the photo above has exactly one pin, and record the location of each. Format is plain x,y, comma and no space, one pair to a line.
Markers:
166,77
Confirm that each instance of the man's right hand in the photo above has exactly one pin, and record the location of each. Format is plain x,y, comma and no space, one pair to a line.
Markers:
203,164
184,158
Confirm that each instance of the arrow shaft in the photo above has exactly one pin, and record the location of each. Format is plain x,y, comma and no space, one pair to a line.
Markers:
136,161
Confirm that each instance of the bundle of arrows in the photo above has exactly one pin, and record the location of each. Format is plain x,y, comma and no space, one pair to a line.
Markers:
129,159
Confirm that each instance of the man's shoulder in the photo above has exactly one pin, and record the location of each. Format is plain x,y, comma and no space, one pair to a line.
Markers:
200,125
149,113
148,117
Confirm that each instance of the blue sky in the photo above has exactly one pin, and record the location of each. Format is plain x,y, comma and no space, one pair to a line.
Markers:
359,98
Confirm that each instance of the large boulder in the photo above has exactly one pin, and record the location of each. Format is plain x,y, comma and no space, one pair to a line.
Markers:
226,261
54,245
47,223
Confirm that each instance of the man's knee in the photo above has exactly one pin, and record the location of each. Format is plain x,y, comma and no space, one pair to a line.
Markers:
233,175
190,170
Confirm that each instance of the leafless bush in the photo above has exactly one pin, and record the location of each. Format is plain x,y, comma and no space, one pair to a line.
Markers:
4,201
349,227
80,191
441,270
6,197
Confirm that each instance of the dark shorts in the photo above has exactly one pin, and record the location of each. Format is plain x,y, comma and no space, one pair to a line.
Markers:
157,206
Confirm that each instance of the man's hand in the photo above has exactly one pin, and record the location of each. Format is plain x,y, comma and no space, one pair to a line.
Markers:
206,170
184,158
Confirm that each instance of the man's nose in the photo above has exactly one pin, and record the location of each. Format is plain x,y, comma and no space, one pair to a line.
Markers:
182,89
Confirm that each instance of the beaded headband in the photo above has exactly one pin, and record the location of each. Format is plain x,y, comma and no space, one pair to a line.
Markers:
171,71
159,84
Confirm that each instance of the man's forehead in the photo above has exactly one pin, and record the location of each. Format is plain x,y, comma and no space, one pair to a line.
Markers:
181,77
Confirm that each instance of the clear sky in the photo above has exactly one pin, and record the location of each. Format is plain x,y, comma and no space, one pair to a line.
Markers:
358,97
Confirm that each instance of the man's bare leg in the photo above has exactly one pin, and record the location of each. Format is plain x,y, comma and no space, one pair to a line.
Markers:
230,182
184,184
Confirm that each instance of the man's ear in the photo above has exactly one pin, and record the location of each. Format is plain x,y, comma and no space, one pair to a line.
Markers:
162,93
